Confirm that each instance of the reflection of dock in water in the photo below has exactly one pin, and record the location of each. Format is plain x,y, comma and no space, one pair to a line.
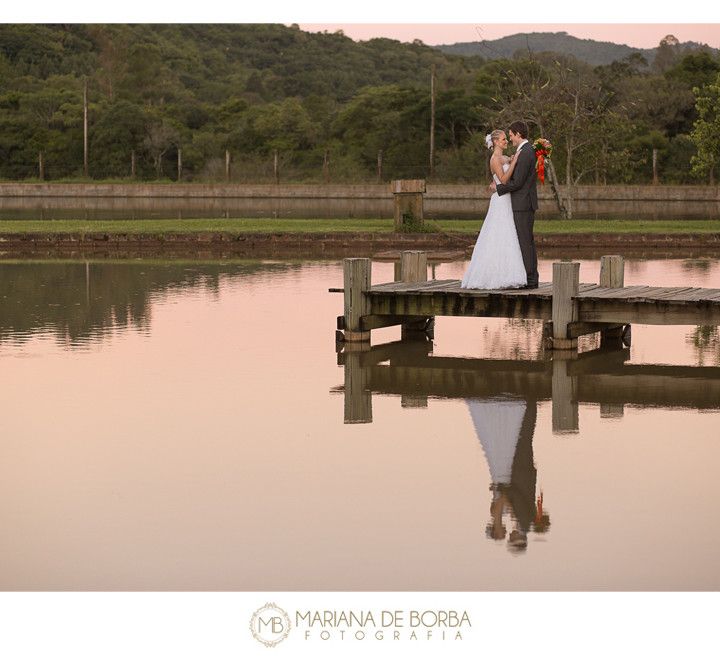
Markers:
409,370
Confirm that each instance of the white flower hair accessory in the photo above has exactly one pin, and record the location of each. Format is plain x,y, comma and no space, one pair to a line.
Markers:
488,141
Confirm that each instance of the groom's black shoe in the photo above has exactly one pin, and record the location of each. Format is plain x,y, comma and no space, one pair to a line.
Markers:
530,286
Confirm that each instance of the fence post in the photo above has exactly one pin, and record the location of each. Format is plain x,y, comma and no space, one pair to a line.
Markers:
656,180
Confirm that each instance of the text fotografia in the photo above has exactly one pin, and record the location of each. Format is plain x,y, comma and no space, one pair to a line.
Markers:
385,625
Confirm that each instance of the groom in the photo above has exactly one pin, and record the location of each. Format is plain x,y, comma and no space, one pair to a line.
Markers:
522,187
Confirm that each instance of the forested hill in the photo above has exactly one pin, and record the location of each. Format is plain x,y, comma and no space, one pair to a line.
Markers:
179,102
596,53
212,62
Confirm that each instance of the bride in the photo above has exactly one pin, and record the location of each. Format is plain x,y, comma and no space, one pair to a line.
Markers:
497,261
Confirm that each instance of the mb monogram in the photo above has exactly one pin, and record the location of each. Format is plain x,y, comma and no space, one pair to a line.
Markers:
270,625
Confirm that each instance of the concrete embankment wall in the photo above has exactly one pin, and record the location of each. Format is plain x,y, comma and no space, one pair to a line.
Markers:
450,192
337,245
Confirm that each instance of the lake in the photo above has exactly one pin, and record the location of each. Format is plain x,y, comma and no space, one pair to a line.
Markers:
188,425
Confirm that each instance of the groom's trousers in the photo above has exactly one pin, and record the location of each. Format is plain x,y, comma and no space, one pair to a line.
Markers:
524,223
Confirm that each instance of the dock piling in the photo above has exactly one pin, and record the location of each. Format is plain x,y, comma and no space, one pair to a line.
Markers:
356,276
566,283
612,275
612,271
413,266
413,269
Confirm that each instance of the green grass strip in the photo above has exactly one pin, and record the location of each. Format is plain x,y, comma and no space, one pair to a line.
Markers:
262,225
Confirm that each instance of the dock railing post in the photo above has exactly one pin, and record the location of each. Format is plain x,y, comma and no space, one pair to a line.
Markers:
565,286
356,282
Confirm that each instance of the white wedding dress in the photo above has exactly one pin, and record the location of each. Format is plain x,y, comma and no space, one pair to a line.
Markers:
498,422
496,261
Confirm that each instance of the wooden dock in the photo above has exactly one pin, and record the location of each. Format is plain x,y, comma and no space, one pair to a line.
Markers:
569,308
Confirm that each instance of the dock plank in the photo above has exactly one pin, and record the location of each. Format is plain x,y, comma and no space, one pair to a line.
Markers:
588,291
672,294
405,286
705,293
616,293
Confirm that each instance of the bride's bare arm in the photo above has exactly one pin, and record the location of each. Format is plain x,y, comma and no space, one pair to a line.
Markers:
497,169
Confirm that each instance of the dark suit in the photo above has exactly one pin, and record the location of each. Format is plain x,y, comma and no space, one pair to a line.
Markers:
522,187
521,492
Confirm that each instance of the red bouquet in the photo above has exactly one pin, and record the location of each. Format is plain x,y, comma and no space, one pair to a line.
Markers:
543,149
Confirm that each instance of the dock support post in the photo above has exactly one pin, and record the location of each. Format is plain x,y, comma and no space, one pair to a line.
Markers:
356,282
612,275
413,268
566,283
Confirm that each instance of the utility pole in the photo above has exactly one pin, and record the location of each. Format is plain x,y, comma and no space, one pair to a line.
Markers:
432,121
85,129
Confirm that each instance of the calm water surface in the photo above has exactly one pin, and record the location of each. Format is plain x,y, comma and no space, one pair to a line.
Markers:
193,426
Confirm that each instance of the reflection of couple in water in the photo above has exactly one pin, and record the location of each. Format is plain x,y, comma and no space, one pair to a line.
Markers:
505,427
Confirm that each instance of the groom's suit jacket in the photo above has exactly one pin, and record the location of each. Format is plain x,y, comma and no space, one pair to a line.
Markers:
522,185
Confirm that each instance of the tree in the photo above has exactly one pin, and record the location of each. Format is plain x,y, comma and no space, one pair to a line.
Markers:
111,57
706,131
119,130
392,119
285,126
668,54
569,106
158,140
695,69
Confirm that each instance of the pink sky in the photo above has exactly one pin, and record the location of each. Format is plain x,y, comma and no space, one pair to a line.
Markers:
433,24
637,35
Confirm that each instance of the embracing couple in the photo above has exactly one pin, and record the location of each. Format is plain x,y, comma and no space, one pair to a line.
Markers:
504,255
